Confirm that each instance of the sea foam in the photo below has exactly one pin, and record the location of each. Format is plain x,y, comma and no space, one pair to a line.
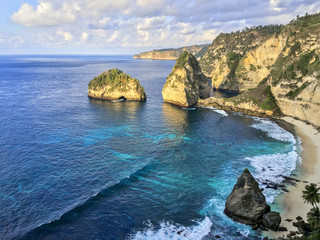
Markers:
272,167
173,231
273,130
221,112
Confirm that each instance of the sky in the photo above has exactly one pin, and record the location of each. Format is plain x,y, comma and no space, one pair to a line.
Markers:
132,26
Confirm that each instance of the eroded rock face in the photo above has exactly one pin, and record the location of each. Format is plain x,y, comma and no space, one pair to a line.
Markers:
186,83
239,61
115,84
271,220
295,76
246,203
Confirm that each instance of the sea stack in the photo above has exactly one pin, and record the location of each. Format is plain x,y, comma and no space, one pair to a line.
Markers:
114,85
186,83
246,203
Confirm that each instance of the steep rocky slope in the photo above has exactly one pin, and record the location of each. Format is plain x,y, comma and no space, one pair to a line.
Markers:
186,83
173,53
231,54
284,57
295,76
114,85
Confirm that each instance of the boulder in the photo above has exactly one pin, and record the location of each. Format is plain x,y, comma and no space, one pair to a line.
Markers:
271,220
246,203
186,83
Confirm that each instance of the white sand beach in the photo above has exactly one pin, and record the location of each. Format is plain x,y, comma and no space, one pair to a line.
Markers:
292,202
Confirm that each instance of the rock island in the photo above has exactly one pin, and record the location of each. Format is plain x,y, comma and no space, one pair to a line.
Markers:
114,85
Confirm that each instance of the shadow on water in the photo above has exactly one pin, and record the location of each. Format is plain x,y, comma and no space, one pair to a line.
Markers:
120,111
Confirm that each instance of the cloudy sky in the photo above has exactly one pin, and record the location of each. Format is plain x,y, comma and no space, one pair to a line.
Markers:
132,26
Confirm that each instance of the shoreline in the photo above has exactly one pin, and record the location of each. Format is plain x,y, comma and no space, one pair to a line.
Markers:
291,202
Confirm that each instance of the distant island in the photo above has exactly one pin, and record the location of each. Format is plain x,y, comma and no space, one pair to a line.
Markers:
173,53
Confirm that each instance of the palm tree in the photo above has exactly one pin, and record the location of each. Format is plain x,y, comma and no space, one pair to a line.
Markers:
313,217
311,194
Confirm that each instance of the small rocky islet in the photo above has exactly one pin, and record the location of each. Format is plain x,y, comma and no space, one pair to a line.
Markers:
116,85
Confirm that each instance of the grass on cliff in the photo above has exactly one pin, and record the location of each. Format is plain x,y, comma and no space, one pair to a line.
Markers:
260,96
184,58
232,62
115,79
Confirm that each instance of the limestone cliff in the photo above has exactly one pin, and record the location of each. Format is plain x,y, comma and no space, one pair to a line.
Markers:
284,57
256,102
295,76
115,84
230,55
173,53
186,83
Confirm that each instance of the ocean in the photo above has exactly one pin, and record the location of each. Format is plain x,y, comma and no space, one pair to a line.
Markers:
72,167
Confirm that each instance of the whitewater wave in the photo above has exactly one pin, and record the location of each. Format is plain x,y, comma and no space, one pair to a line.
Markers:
273,130
221,112
273,167
172,231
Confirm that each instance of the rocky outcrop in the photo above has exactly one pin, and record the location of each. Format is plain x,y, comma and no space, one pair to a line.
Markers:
246,203
186,83
271,220
173,53
257,102
114,85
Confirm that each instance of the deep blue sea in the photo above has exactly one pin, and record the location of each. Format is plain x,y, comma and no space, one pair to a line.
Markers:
77,168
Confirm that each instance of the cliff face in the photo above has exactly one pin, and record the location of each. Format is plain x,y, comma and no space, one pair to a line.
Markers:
113,85
173,54
186,83
222,59
284,57
295,76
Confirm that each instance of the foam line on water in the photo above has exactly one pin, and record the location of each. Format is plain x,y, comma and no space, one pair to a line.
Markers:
173,231
272,167
221,112
273,130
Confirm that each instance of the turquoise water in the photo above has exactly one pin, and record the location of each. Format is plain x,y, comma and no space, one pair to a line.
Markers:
78,168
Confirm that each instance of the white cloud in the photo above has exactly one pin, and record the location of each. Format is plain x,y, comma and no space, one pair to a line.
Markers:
45,14
152,23
84,36
148,23
10,39
68,37
274,5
